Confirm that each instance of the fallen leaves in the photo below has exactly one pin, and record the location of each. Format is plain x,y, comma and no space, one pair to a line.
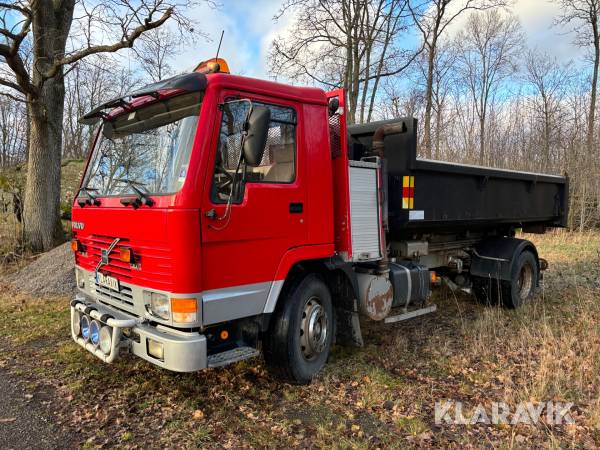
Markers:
380,396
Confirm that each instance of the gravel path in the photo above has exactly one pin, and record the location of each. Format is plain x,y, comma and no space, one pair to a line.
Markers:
23,424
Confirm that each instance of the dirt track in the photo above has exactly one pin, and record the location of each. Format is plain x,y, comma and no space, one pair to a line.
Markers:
23,423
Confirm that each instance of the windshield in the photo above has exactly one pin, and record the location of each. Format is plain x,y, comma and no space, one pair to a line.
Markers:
148,149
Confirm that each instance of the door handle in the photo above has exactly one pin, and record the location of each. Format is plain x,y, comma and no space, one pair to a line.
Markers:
296,208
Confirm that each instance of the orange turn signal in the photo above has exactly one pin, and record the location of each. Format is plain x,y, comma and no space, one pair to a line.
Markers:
433,277
75,245
224,335
184,305
126,254
184,310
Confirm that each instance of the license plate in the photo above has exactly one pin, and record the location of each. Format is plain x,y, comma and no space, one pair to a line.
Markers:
108,282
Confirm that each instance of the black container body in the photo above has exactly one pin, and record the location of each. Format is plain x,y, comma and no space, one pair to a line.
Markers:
451,198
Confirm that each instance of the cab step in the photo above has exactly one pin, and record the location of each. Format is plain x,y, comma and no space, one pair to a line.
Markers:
411,314
232,356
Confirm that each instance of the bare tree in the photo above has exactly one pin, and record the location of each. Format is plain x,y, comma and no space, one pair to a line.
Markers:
584,16
549,82
437,88
349,43
91,82
432,18
155,50
12,132
489,45
49,35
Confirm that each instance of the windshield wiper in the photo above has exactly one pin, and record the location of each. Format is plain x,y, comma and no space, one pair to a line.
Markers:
90,200
141,197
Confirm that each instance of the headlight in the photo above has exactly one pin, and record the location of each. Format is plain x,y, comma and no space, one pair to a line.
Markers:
159,304
76,323
84,324
94,332
105,340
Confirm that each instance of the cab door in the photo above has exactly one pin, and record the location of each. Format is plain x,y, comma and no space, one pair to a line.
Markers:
251,216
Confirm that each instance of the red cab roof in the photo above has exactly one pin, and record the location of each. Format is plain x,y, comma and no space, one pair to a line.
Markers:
285,91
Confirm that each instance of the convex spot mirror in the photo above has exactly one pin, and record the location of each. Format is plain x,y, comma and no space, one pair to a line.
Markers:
257,131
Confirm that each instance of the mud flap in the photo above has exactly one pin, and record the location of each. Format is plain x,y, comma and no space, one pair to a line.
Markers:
348,331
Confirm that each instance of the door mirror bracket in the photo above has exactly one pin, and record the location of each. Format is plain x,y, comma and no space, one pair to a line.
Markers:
256,132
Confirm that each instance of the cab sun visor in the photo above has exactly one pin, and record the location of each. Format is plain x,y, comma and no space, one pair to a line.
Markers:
189,82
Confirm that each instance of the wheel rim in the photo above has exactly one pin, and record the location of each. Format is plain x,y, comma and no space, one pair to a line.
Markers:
525,281
314,329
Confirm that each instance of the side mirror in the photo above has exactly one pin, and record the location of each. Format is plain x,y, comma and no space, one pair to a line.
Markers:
257,127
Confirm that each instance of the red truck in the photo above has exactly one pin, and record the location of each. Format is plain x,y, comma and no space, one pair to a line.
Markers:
222,216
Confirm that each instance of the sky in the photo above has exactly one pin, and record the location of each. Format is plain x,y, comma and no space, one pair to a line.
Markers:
250,29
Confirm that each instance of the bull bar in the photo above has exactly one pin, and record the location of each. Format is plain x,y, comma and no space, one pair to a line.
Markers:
182,351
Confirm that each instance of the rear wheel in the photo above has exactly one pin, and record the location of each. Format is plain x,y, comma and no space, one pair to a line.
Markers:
514,293
298,342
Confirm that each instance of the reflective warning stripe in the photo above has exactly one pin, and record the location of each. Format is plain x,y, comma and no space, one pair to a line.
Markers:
408,192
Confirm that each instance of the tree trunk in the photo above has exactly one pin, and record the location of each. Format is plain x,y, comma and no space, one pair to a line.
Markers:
481,140
43,229
428,102
591,120
438,131
42,225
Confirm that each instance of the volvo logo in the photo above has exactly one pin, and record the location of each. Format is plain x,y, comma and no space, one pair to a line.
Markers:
104,253
104,256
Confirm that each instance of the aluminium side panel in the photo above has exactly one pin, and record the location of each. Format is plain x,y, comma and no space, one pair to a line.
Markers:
364,211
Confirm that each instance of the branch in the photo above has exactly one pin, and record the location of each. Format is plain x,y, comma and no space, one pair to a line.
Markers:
13,97
17,65
11,85
126,42
25,11
397,70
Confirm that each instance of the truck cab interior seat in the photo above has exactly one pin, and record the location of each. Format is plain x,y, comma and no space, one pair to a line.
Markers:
282,169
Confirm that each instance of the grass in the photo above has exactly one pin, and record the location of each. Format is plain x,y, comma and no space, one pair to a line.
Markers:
380,396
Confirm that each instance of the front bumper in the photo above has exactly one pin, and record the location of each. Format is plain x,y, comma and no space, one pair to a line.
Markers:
182,351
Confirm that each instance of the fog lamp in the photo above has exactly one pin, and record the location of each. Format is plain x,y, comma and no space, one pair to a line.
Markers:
75,323
84,324
158,304
156,349
94,332
105,340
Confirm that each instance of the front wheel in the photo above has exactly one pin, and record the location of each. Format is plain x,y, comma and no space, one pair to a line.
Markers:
299,340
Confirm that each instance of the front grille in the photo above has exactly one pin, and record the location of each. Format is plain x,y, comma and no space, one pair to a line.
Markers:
95,244
121,299
152,265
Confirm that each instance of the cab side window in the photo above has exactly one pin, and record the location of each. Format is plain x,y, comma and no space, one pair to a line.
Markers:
278,164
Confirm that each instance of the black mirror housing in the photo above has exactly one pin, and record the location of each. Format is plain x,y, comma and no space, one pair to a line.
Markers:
255,141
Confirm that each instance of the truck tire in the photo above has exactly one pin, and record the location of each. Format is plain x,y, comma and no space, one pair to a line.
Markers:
299,340
514,293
